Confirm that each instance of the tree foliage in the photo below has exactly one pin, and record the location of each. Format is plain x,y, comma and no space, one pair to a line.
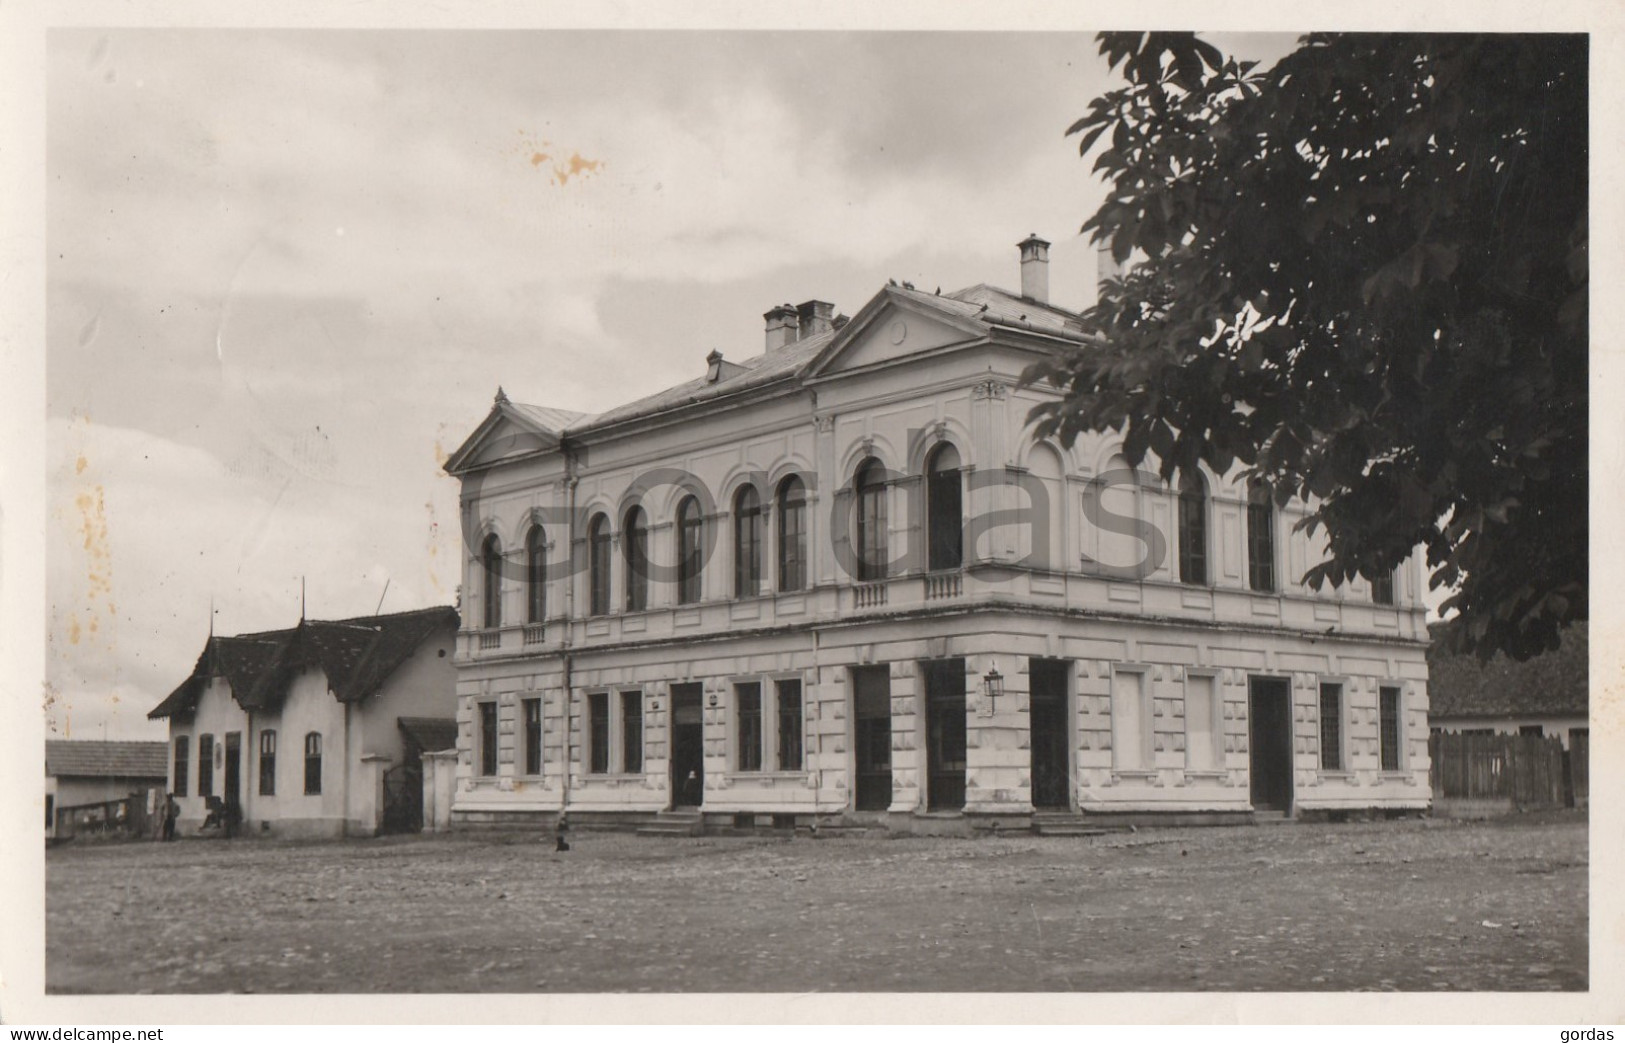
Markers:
1362,275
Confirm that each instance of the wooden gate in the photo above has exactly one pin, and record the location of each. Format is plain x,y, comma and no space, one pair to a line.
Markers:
1528,771
403,798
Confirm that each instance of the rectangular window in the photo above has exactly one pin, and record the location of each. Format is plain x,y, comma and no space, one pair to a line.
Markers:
1382,589
313,764
632,731
1201,724
1390,730
748,714
488,738
533,736
267,763
1536,730
1128,721
205,765
598,732
183,755
789,693
1331,727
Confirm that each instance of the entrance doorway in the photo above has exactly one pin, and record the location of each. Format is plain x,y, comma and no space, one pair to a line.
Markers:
1269,743
945,734
1051,770
871,698
687,746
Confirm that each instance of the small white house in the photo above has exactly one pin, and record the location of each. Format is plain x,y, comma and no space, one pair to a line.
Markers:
300,726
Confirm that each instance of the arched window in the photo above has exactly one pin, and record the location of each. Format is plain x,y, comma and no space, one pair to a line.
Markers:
870,486
1382,588
491,589
944,508
536,575
792,502
313,763
688,551
598,566
1260,538
635,550
1192,528
747,543
1046,505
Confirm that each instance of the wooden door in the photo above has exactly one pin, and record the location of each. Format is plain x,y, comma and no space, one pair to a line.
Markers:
871,696
687,746
1050,723
1269,731
945,749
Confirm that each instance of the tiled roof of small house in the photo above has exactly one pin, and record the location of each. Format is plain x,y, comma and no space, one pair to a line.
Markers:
1553,683
92,758
357,655
429,734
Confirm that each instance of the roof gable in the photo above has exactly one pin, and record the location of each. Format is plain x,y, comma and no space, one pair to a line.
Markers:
898,324
357,656
510,431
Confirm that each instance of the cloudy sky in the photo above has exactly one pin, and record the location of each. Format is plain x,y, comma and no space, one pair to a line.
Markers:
288,270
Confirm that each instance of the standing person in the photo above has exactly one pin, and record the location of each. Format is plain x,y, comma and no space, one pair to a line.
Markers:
172,811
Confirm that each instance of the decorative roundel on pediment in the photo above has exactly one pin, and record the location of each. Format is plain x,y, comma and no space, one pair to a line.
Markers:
898,331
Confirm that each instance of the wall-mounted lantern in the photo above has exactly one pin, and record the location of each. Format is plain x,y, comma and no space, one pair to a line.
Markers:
992,685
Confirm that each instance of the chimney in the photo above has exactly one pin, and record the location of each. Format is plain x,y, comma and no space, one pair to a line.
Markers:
781,327
816,317
1034,269
1106,267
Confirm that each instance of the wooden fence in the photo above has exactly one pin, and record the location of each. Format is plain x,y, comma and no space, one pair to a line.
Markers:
1526,771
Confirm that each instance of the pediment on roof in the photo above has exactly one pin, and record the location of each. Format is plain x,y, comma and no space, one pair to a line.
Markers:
505,434
894,326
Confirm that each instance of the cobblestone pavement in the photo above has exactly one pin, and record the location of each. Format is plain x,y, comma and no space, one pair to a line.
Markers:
1406,905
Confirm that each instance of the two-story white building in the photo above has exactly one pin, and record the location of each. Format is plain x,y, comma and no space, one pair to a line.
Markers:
842,581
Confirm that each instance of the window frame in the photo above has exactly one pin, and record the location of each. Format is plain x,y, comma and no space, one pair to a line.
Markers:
944,542
747,751
635,559
1146,745
780,761
598,566
1384,589
313,760
1261,542
491,582
205,764
181,765
267,762
1337,688
749,532
1191,507
630,698
690,534
536,575
487,725
870,538
790,505
1396,745
530,722
1215,698
599,746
